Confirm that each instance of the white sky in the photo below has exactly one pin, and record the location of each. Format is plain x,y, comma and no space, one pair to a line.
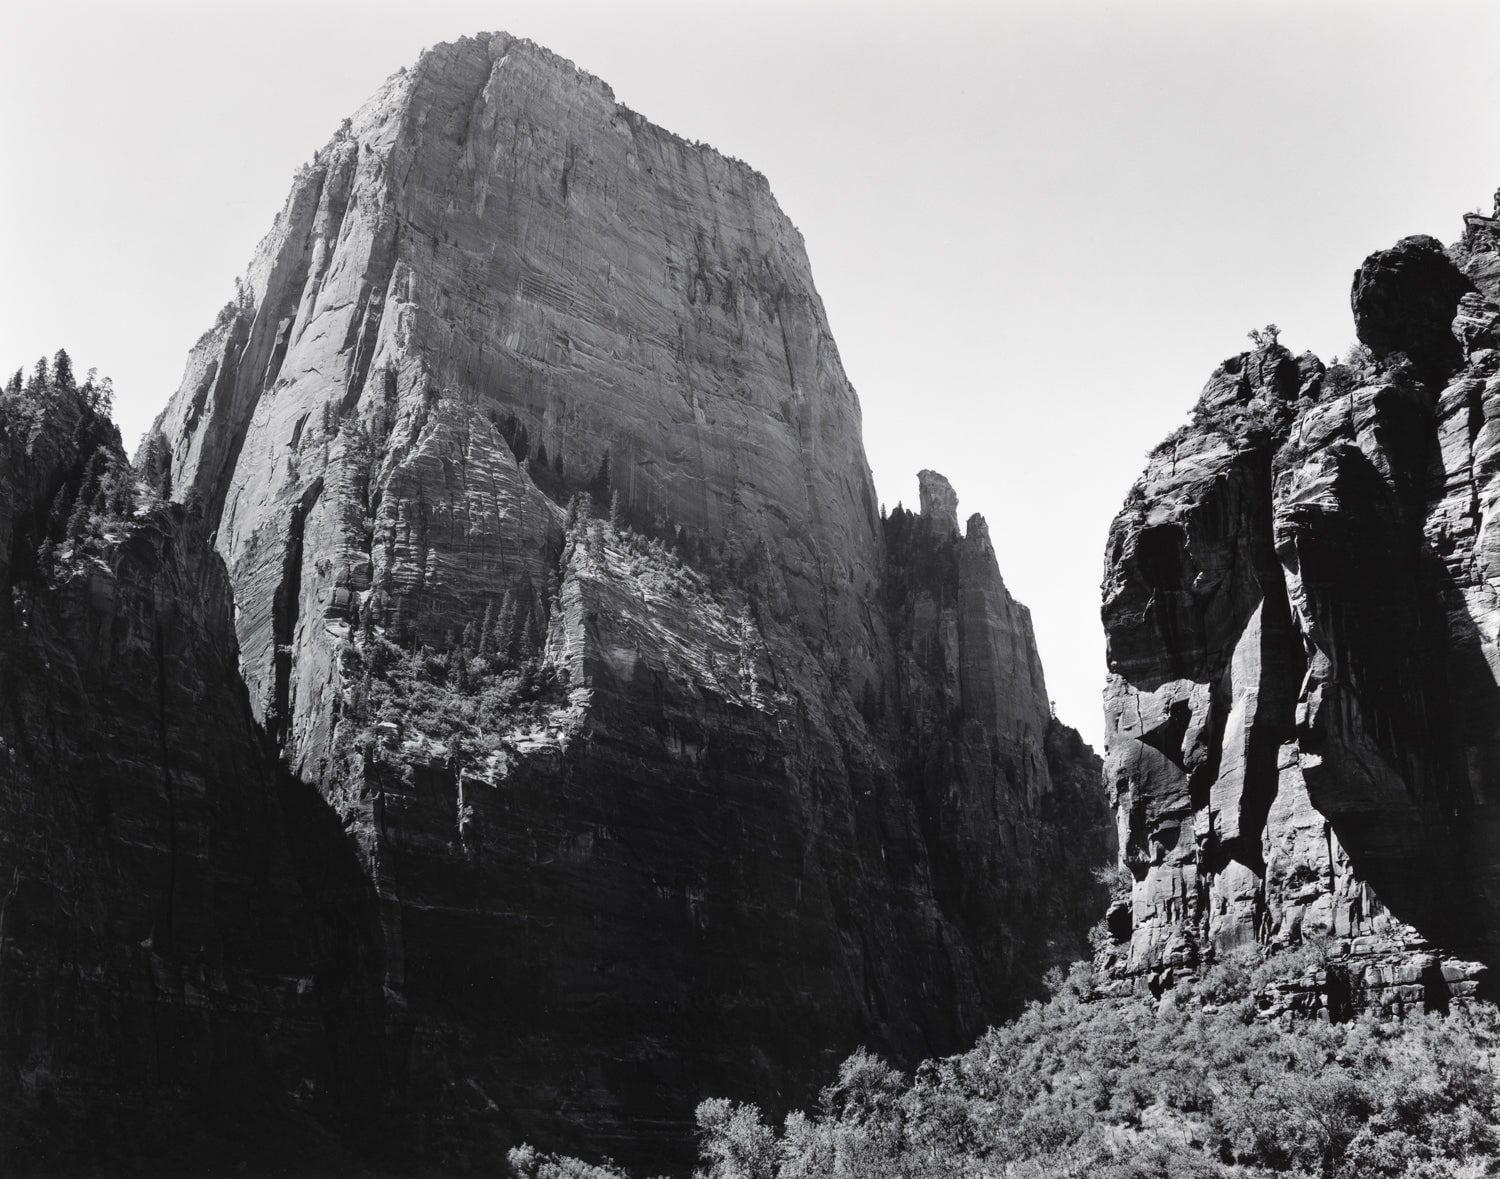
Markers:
1036,227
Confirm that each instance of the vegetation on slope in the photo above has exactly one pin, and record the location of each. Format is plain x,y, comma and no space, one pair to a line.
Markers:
73,490
1198,1084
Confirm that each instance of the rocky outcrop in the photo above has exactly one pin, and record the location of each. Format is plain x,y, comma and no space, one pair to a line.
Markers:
999,781
557,569
1403,301
170,991
1302,700
494,265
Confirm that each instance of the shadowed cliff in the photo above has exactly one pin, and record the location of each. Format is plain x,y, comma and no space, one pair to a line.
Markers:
1302,706
613,750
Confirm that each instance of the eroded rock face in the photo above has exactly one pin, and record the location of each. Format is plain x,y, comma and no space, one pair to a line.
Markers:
169,989
557,568
1403,302
495,247
1302,706
999,781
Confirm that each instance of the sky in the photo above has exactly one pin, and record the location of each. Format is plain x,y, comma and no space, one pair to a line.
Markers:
1036,227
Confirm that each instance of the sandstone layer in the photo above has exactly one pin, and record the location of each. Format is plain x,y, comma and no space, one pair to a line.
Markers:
557,569
1300,605
170,990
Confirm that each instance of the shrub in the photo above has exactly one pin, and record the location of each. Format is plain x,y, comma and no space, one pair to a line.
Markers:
1196,1085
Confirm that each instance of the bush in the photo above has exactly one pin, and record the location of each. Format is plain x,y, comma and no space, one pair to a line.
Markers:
1195,1085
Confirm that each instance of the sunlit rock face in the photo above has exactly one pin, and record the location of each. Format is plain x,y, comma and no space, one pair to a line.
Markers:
496,264
748,777
1302,706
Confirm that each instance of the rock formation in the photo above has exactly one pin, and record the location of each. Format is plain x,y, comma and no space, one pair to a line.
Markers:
603,746
1302,708
169,988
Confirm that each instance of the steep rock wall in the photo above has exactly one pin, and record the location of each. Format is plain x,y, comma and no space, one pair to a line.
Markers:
998,780
495,245
1302,700
171,993
631,776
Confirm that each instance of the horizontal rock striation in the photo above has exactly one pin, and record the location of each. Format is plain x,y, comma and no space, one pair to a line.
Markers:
170,990
495,264
999,781
557,569
1302,704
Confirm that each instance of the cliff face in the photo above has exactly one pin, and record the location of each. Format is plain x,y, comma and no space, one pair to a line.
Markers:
557,569
1302,700
167,989
495,266
998,781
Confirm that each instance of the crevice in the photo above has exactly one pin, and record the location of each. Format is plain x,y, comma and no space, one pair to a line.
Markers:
284,610
232,413
377,295
570,161
278,353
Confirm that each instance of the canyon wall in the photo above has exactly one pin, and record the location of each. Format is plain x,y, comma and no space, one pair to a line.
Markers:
1300,605
670,767
176,986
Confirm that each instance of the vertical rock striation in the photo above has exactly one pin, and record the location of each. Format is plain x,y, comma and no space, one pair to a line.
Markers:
557,569
999,781
168,989
494,265
1302,704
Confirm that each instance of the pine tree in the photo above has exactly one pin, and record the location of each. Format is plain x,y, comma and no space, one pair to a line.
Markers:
99,463
121,500
102,397
470,639
79,520
62,370
505,628
39,377
487,629
46,558
155,462
16,382
57,519
377,657
615,518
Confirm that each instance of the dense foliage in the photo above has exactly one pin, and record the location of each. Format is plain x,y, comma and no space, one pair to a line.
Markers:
1197,1084
93,487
